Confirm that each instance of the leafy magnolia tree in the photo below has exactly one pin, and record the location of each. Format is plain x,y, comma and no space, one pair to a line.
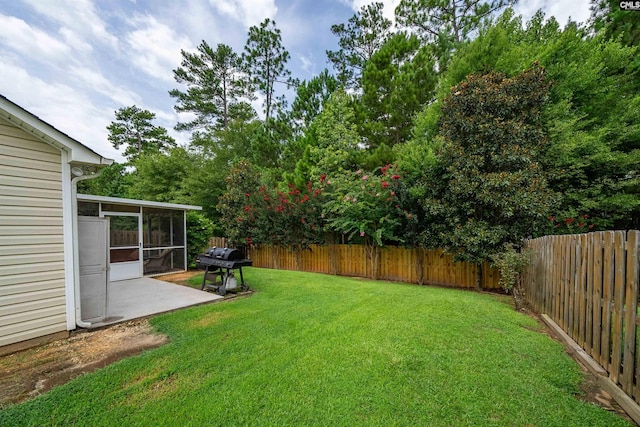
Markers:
265,60
217,89
397,81
359,39
445,24
365,205
592,117
493,189
134,130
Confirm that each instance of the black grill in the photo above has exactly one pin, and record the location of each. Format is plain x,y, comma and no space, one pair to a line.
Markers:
218,264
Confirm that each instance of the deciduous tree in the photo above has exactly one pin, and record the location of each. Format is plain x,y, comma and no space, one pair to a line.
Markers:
495,191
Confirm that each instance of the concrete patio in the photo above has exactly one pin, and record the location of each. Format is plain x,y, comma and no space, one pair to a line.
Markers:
135,298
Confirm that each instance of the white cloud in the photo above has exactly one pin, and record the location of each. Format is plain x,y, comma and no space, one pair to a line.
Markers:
95,81
74,40
65,108
155,47
79,16
31,42
249,12
577,10
307,63
388,10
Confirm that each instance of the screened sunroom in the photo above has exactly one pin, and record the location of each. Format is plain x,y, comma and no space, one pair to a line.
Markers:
145,238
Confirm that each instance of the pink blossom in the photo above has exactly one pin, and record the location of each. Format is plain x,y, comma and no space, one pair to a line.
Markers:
362,234
355,200
365,177
359,171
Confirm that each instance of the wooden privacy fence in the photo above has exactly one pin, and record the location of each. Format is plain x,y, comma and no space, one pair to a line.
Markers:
588,285
393,263
218,242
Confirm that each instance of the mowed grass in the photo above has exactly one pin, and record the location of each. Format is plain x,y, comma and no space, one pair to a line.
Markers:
309,349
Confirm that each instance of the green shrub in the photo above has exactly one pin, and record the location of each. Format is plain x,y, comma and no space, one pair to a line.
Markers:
199,230
511,264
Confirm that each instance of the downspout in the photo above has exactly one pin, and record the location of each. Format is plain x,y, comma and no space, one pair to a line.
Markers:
76,255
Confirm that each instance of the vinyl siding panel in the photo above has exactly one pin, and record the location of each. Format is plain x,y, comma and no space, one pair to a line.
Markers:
17,319
21,230
32,276
31,250
41,193
32,329
18,259
26,307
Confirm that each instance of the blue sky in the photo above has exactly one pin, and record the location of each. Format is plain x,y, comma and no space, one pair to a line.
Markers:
74,62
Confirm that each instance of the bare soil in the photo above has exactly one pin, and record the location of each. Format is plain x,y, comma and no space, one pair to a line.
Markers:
34,371
29,373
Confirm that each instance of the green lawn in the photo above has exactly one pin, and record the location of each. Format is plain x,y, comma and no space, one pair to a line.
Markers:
310,349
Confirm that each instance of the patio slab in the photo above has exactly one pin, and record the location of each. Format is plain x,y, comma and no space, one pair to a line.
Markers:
135,298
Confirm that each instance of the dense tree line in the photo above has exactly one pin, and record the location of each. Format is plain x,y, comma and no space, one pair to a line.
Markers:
461,128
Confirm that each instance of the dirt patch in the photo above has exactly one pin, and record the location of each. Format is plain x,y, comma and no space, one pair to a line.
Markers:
34,371
181,278
31,372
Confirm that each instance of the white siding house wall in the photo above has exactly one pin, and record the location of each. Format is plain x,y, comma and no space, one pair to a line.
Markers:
32,270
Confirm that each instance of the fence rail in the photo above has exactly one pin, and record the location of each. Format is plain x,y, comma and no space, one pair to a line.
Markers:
393,263
588,285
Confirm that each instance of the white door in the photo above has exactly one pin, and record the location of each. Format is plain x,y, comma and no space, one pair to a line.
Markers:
124,245
93,256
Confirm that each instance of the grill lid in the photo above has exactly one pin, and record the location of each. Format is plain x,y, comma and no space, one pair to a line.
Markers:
227,254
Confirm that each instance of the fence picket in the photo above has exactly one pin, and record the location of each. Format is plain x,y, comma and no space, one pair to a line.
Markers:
588,338
618,302
575,268
608,274
588,284
597,296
